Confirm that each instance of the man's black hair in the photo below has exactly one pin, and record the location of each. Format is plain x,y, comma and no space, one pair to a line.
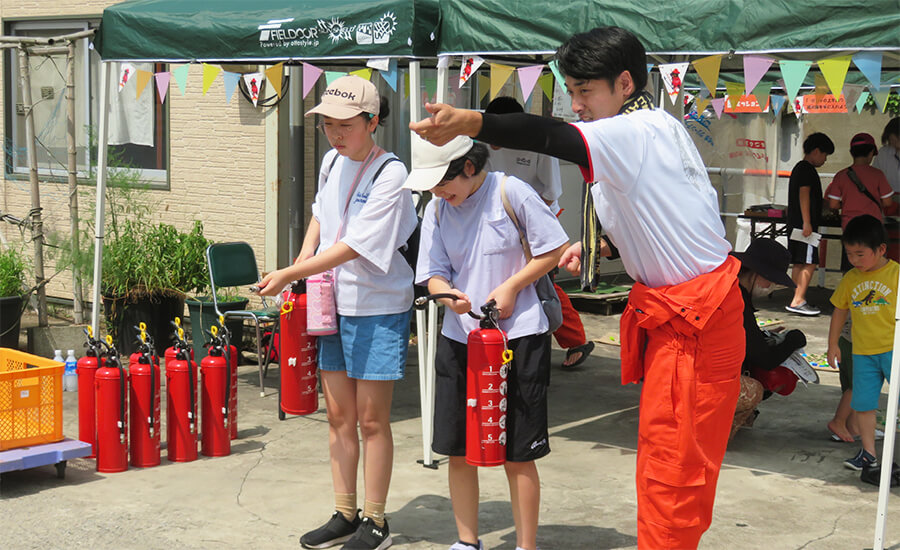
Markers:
818,141
863,150
477,155
865,230
604,53
504,104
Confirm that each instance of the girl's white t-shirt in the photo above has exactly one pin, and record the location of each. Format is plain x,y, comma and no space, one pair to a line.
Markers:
476,247
379,220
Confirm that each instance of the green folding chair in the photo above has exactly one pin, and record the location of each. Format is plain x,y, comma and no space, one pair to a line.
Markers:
231,265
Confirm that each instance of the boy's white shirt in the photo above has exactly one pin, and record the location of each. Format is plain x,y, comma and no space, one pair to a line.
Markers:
476,247
380,219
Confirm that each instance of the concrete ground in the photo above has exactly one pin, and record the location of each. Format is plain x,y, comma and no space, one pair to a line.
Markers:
782,485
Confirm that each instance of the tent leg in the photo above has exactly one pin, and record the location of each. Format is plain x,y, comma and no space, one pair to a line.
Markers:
442,81
421,345
890,435
415,99
101,193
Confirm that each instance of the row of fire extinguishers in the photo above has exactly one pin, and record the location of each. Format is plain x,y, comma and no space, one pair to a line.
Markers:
488,361
112,398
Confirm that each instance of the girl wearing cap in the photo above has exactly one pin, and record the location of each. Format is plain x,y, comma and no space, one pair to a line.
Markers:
470,248
763,266
362,216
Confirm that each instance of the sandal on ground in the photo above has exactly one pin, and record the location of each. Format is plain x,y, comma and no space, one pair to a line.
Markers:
585,350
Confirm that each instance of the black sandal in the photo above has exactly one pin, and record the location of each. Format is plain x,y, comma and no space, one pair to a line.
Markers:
585,350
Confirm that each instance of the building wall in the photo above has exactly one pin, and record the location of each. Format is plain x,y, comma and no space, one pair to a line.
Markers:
216,160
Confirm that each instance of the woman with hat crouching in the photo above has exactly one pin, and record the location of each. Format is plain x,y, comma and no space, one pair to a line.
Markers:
764,266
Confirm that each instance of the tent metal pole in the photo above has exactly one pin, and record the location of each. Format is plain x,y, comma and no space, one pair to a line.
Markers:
890,435
415,98
102,159
443,71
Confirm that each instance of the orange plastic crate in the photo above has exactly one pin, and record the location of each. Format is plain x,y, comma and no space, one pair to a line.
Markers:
30,399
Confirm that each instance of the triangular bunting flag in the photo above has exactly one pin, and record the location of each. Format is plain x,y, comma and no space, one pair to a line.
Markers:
649,67
861,102
430,89
162,84
528,77
557,74
881,98
707,69
755,67
390,74
469,66
672,75
126,73
231,80
718,105
484,84
253,82
546,83
851,94
777,103
311,75
734,91
499,75
701,105
141,79
821,86
331,76
869,64
761,92
274,75
835,71
793,73
210,72
379,63
365,74
180,74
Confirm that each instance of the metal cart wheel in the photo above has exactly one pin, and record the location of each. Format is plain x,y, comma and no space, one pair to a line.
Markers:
61,470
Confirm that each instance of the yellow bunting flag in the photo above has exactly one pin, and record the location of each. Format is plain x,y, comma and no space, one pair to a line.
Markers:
273,77
835,71
546,83
210,72
484,84
701,105
499,75
141,79
734,90
821,87
363,73
708,70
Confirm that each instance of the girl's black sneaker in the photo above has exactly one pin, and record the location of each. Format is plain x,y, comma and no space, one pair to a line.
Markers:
334,532
369,537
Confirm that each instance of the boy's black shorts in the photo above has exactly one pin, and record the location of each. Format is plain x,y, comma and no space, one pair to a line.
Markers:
802,253
526,417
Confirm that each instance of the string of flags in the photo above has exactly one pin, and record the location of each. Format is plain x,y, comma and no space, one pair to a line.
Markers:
831,94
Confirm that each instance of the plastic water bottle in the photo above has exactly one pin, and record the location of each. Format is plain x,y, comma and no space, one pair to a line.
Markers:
70,378
57,356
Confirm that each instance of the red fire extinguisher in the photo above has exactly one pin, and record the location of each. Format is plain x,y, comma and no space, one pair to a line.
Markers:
231,355
111,398
144,372
297,354
214,399
87,369
181,400
487,375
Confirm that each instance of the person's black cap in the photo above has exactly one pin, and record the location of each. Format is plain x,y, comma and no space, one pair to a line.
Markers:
769,259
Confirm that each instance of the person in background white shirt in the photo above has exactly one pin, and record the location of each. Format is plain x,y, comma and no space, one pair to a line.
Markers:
888,158
542,173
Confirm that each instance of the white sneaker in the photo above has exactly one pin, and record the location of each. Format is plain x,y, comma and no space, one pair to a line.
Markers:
804,309
460,546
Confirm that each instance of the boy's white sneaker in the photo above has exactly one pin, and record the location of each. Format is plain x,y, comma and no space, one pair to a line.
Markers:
458,545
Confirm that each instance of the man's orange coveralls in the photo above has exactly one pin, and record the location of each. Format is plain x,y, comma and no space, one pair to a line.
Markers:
686,342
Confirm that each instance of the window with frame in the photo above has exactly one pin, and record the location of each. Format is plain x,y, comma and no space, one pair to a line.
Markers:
138,126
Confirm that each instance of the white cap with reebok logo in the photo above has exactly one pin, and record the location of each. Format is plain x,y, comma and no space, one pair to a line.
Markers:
347,97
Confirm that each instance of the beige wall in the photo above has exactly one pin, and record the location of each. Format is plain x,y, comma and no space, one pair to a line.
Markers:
216,159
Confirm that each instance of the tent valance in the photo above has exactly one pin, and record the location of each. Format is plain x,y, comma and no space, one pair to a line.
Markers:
275,30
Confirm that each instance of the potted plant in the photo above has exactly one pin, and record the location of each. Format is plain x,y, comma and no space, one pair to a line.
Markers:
12,284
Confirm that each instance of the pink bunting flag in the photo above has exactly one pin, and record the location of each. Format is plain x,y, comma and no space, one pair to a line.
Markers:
718,105
162,84
528,77
755,67
311,75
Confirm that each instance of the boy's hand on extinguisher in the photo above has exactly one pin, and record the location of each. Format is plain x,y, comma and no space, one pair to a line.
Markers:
461,305
506,300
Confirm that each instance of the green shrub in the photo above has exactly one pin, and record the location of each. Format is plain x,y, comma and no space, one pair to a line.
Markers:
12,272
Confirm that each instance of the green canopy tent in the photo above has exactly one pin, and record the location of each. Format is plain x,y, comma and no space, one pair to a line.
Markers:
803,29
